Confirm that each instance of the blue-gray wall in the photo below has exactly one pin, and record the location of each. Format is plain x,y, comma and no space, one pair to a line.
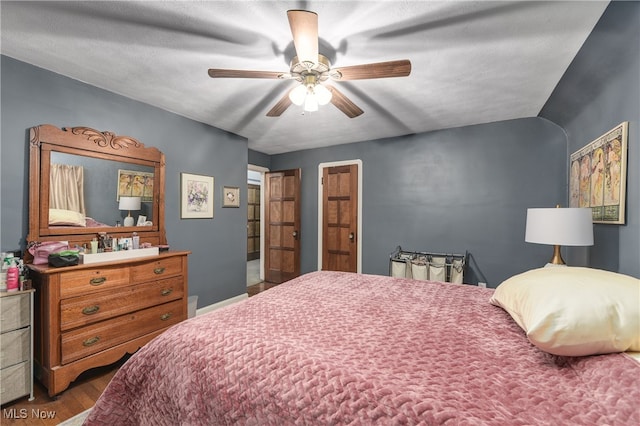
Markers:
33,96
259,159
469,188
600,90
448,191
452,190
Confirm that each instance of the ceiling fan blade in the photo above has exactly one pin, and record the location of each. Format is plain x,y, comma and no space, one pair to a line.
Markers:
343,103
280,106
222,73
401,68
304,28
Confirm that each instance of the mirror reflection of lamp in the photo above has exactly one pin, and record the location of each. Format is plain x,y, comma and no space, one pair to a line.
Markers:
129,203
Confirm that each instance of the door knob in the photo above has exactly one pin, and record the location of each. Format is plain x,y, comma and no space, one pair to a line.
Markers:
295,234
352,236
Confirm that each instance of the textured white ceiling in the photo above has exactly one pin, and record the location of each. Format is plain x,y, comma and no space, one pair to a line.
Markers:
472,62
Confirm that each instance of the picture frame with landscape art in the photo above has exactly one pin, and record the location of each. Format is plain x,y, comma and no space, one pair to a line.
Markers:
196,196
598,176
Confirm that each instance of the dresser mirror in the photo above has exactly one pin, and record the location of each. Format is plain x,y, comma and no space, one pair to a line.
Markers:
101,182
77,177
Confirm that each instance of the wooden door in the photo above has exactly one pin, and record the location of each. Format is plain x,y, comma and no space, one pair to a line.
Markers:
282,225
253,222
340,218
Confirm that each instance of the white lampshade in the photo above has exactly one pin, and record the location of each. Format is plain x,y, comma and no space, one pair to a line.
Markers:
129,203
563,226
559,227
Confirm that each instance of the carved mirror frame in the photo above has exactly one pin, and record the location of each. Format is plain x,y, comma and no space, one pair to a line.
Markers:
85,141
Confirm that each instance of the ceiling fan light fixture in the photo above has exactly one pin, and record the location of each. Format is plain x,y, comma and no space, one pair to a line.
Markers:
310,103
298,95
323,95
310,95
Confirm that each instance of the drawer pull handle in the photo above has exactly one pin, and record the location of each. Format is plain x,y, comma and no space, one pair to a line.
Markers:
97,281
92,341
166,291
158,271
166,316
90,310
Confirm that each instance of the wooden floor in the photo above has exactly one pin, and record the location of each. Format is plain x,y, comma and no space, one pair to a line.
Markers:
80,396
260,287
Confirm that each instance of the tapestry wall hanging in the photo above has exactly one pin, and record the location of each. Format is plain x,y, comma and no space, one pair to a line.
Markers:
598,176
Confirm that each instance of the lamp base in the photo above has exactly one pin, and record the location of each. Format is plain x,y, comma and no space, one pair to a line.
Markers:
557,256
128,221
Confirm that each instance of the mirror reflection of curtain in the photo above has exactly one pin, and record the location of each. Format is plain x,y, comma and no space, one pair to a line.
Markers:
66,188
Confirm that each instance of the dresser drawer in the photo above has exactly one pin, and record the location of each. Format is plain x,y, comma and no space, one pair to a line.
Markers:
83,310
93,338
14,312
85,281
15,381
156,269
15,347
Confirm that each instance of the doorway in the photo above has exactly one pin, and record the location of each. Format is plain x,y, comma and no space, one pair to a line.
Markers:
340,216
255,224
253,220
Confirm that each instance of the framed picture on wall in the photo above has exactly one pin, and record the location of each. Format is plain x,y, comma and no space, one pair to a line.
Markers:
196,196
230,196
598,176
132,183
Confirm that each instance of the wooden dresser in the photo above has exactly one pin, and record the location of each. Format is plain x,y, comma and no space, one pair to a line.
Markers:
91,315
16,345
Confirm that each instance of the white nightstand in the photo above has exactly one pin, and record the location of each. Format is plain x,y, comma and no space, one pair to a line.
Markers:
16,345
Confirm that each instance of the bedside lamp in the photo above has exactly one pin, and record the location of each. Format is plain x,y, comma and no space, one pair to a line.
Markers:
129,203
559,227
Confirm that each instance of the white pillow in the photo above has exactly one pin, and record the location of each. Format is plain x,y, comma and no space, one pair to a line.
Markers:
66,217
574,311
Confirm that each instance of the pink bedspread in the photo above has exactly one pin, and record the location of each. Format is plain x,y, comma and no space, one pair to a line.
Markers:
338,348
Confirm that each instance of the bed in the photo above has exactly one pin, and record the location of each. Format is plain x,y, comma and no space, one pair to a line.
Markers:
341,348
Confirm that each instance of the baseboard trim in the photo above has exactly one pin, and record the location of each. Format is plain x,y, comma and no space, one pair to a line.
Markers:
221,304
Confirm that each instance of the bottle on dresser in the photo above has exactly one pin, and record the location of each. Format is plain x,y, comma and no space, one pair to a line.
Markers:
7,260
13,277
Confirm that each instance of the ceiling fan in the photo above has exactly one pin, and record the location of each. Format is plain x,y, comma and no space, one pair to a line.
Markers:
312,69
